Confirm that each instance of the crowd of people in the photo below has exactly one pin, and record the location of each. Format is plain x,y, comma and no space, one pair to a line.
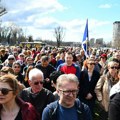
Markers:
59,84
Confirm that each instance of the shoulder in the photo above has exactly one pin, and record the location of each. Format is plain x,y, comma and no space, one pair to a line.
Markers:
30,111
50,111
115,89
47,93
80,105
115,98
27,89
83,109
44,90
25,92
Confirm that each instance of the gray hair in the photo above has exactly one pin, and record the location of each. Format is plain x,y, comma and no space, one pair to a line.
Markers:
67,77
35,72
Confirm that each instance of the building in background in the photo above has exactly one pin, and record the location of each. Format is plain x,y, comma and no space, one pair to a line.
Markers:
92,42
99,42
116,34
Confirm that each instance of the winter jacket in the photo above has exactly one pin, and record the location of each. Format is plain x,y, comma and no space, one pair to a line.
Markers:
83,111
28,112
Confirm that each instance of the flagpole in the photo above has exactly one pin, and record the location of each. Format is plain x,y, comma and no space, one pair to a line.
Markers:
85,39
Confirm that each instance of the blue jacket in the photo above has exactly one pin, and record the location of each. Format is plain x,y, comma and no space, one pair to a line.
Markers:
83,111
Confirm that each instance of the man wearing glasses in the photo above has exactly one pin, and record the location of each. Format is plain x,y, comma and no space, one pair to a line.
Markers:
67,107
36,94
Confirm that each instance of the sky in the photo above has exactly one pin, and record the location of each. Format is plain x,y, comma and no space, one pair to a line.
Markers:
39,18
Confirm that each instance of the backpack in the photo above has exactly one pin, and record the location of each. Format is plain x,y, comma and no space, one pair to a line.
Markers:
78,104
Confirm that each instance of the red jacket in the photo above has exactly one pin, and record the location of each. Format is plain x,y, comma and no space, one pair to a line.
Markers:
27,110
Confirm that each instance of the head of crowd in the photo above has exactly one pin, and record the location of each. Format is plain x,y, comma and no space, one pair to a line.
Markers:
39,76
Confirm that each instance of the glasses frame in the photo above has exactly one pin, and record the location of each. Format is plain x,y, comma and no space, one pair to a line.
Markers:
114,67
91,63
38,82
11,59
68,92
5,91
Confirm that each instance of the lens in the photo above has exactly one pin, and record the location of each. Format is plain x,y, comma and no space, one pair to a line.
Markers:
4,91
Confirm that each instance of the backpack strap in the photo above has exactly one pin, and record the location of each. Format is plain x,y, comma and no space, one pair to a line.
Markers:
52,110
80,109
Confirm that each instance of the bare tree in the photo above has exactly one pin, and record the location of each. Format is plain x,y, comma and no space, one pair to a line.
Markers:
30,38
59,34
11,34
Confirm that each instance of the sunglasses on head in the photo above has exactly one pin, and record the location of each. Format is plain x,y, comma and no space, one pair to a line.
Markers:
36,83
11,59
114,67
5,91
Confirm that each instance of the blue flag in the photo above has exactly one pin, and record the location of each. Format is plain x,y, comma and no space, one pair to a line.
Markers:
85,40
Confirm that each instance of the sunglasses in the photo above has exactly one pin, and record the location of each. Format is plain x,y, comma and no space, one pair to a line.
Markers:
114,67
21,56
91,63
16,66
11,59
5,91
36,83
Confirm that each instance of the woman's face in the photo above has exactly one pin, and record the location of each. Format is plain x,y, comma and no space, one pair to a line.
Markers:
91,64
16,68
6,93
113,68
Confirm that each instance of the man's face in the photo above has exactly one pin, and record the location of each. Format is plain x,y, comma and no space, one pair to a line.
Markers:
45,63
117,55
36,83
68,59
67,93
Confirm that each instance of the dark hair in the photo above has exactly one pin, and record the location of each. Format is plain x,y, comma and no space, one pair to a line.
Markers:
16,63
54,75
44,58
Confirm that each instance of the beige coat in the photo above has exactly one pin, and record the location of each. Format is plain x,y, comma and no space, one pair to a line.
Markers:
102,90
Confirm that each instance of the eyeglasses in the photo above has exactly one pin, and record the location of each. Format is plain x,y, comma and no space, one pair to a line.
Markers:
5,91
36,83
68,92
91,63
11,59
21,56
114,67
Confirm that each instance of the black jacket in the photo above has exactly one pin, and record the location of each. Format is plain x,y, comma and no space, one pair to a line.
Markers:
39,100
114,107
87,86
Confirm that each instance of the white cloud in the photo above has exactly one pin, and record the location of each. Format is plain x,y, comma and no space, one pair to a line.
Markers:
34,16
74,29
105,6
